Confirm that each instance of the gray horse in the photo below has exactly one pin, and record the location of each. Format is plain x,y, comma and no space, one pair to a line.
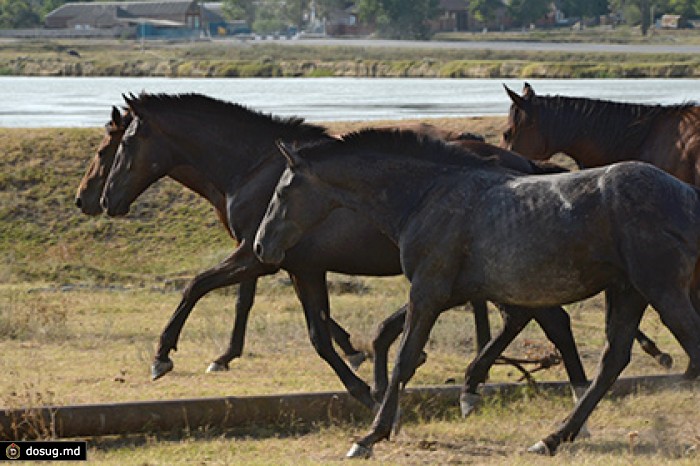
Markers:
468,229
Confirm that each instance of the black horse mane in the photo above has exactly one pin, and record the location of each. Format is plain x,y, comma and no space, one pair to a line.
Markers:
402,143
193,103
621,123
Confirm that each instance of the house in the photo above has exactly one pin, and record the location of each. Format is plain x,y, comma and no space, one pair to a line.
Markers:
166,19
454,16
672,21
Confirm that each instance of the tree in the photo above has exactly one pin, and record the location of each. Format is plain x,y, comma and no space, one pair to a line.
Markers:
637,11
399,19
686,8
240,9
18,14
526,12
265,16
484,10
584,8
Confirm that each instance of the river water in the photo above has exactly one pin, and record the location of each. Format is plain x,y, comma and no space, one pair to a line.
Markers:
86,102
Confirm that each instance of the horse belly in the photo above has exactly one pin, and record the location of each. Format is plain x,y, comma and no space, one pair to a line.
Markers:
544,286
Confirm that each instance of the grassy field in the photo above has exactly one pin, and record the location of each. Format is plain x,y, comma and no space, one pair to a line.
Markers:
83,300
266,59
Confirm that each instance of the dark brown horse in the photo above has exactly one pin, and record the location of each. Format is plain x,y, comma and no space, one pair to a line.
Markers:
600,132
469,229
88,200
233,148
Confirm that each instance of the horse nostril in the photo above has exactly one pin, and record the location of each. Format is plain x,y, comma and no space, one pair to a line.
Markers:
258,249
78,202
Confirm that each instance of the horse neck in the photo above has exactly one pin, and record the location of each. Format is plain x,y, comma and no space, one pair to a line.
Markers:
200,185
223,152
586,138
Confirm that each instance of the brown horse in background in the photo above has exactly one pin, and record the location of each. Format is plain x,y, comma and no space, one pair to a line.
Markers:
600,132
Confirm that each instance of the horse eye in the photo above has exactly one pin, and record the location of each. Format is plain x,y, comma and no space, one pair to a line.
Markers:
506,135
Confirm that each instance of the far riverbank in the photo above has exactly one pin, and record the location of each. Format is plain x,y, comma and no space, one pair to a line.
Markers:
331,58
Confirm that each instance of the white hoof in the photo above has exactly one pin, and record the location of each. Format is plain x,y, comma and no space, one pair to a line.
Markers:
356,360
359,451
216,367
540,448
469,402
160,368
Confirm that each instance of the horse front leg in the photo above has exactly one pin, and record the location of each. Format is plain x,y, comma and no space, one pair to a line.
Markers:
312,290
244,303
624,310
241,265
420,320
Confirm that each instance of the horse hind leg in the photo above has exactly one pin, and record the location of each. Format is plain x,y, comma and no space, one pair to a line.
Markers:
682,319
312,291
556,324
649,347
341,336
624,310
481,324
514,321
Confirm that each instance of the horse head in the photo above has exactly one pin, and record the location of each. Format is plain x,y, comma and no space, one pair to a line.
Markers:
523,134
87,197
142,158
297,205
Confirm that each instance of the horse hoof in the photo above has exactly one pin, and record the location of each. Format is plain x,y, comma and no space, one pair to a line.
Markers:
540,448
356,359
359,451
216,367
665,360
160,368
469,402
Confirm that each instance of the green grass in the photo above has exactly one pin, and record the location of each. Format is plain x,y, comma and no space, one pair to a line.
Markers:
83,300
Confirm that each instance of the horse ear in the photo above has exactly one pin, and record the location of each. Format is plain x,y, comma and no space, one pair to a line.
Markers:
528,91
517,100
292,156
116,117
132,103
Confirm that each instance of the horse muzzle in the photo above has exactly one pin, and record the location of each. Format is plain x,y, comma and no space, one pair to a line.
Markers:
267,255
88,208
114,209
